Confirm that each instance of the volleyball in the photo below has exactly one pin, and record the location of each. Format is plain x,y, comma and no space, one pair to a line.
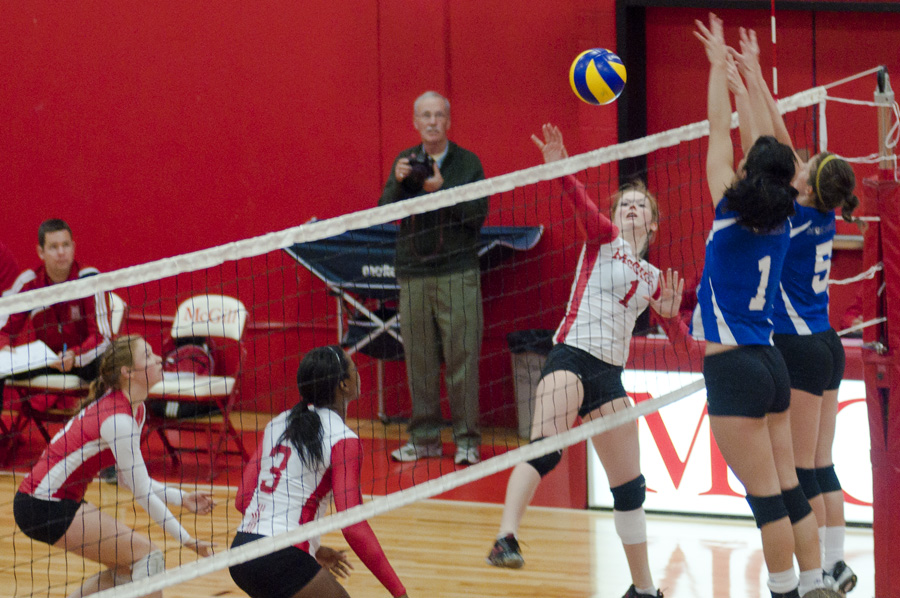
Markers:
597,76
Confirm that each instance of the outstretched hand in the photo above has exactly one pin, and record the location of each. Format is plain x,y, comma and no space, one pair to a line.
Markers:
748,58
735,82
713,39
335,561
552,146
671,288
199,502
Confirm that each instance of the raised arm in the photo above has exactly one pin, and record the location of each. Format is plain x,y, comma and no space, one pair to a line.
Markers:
346,459
720,153
596,225
767,110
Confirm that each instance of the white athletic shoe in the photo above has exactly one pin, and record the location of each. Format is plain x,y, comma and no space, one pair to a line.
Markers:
412,452
467,456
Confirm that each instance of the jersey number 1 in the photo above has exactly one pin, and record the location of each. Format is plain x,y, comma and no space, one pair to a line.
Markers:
269,486
759,301
624,300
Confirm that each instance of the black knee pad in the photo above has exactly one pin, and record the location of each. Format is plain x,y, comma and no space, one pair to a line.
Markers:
828,480
767,509
808,482
547,463
630,495
796,503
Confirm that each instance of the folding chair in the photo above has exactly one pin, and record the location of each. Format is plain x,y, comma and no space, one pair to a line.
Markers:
206,316
61,385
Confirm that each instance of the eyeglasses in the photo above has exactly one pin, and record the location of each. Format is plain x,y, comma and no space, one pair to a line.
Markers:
429,115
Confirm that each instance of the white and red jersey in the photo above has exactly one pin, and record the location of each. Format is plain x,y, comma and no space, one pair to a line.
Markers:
80,325
279,493
610,290
106,432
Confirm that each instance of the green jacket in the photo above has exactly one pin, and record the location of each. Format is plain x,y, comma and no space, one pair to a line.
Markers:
445,240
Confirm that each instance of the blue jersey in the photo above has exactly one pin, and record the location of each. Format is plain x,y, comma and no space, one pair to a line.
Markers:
801,305
735,299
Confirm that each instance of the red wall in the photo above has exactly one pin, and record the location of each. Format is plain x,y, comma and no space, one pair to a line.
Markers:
169,127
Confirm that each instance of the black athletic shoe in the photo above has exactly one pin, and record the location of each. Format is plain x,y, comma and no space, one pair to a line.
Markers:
109,475
633,593
505,553
841,578
795,593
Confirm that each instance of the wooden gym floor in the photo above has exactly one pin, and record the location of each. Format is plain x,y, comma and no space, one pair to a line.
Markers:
438,549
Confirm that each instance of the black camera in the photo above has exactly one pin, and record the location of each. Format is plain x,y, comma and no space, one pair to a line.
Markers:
422,168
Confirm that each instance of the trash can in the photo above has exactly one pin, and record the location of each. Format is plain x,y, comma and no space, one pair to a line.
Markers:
529,349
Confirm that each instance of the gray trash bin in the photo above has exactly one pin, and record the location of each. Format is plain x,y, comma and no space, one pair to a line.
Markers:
529,349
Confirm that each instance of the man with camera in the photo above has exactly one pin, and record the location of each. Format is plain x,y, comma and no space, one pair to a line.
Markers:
440,285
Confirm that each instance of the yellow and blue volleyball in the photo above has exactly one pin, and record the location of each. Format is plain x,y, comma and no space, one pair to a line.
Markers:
597,76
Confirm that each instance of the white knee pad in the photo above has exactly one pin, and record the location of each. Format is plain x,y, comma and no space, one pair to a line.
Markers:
148,566
631,526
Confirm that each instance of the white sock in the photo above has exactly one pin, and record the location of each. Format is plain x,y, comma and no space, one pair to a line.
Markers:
834,546
822,543
810,580
651,591
783,582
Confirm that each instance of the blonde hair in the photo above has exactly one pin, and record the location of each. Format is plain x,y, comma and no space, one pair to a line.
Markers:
119,354
638,186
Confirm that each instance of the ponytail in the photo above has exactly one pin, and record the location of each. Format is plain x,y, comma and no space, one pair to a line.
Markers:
318,377
119,354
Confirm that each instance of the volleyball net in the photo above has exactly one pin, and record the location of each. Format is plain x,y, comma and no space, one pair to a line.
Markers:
234,321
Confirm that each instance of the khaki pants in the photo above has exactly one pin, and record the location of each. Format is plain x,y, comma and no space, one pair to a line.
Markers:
441,317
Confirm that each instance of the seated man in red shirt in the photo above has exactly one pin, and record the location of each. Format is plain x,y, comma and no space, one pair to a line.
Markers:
78,330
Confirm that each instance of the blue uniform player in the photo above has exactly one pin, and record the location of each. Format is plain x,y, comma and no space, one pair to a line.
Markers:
811,348
748,389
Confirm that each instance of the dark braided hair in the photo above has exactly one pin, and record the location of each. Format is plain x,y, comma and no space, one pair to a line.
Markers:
764,197
320,372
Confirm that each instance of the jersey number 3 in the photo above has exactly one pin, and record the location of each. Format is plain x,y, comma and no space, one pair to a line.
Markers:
268,486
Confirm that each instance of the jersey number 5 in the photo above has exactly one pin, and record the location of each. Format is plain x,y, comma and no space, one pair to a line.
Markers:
268,486
822,267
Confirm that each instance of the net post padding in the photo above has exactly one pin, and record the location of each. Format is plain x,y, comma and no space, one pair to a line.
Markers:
399,499
315,231
882,378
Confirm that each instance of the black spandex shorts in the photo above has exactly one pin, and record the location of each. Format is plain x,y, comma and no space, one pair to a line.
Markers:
749,381
44,520
601,381
280,574
815,362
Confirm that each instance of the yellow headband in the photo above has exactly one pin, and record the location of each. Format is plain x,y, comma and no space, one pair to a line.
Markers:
819,173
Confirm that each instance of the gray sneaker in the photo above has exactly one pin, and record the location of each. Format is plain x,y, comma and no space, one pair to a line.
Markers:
505,553
841,578
413,452
467,456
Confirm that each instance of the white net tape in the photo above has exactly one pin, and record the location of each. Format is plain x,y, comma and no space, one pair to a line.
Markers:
198,260
384,504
